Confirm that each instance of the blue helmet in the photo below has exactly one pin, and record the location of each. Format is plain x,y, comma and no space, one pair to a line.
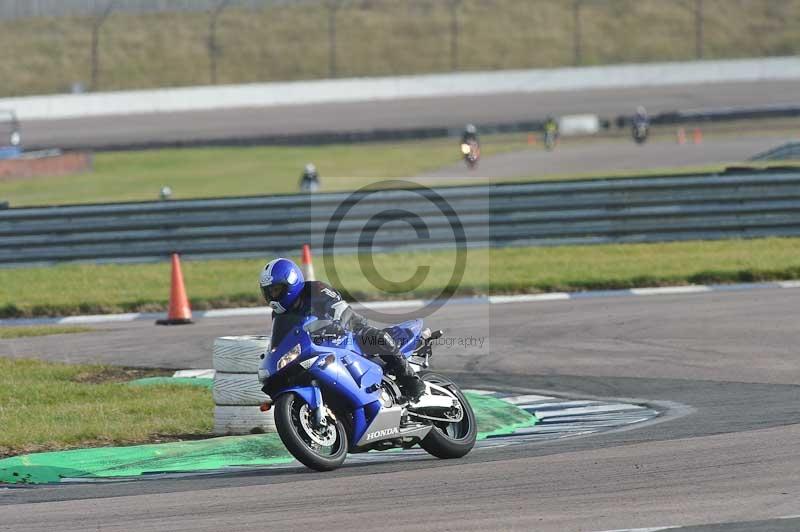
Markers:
281,283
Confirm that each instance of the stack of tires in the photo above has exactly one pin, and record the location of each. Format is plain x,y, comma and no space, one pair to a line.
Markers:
237,392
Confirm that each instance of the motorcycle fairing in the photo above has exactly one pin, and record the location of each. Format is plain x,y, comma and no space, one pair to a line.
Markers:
347,374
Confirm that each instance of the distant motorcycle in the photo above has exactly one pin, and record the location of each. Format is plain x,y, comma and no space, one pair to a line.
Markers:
550,138
639,131
472,152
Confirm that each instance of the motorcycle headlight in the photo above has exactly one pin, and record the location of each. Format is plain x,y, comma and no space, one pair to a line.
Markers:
465,149
289,357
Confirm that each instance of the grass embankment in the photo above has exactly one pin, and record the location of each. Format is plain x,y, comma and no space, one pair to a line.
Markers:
210,172
47,55
91,288
47,406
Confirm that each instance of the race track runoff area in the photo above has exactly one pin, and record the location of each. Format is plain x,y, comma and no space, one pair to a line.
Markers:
503,419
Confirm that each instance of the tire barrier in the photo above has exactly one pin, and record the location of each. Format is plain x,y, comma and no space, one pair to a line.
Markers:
239,354
232,420
237,389
237,392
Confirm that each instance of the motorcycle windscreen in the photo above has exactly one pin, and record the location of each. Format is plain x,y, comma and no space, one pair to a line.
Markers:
406,334
282,325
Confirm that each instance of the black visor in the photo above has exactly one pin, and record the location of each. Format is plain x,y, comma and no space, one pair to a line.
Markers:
274,292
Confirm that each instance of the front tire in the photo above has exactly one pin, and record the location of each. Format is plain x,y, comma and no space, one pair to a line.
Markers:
319,449
450,440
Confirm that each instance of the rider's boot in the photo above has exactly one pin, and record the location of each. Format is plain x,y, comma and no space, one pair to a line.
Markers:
410,384
380,342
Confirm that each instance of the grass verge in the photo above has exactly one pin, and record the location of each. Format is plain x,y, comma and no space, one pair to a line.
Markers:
44,330
47,406
218,172
211,172
92,288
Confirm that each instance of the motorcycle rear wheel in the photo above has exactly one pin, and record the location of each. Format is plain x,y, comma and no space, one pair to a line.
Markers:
303,441
450,440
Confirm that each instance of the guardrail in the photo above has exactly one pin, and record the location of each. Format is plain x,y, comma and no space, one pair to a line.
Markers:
743,204
785,152
726,114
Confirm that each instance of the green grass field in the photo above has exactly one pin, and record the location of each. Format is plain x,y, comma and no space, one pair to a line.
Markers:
46,406
209,172
91,288
288,42
214,172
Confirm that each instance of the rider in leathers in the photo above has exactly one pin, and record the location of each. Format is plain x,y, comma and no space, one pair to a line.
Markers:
292,298
470,134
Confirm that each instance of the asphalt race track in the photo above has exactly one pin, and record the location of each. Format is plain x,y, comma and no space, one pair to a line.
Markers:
410,113
721,365
607,155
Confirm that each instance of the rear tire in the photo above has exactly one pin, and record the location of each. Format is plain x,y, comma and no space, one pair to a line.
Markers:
299,441
450,440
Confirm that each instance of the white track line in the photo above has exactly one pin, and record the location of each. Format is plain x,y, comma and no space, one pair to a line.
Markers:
527,399
666,290
391,304
524,298
492,300
544,414
652,529
231,312
100,318
195,373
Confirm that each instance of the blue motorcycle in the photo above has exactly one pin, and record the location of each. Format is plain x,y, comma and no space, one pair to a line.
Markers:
330,399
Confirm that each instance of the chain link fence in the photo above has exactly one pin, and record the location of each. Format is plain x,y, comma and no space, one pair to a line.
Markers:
75,45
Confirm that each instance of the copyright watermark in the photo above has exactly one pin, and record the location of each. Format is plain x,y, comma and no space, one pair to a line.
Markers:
396,216
462,342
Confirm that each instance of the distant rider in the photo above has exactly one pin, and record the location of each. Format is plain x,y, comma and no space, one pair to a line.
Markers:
292,298
309,181
551,126
641,118
470,134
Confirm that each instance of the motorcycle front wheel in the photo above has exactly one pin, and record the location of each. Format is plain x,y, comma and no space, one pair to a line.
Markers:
322,448
450,440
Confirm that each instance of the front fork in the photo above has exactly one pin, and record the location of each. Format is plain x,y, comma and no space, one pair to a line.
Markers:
312,395
319,410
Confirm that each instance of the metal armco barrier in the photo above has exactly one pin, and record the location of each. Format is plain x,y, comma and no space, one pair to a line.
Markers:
738,204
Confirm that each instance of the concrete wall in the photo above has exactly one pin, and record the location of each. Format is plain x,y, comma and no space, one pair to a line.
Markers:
389,88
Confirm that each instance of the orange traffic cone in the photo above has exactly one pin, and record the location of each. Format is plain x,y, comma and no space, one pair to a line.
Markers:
531,139
179,311
306,265
681,136
697,137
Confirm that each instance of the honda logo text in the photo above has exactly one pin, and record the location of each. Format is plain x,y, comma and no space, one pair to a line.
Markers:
382,433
